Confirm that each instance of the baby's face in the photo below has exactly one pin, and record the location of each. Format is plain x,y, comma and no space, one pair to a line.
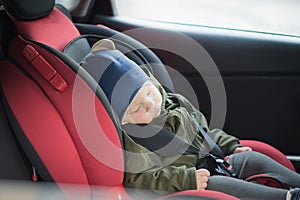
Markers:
145,106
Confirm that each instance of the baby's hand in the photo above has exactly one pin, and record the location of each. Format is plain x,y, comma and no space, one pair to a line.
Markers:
242,149
202,178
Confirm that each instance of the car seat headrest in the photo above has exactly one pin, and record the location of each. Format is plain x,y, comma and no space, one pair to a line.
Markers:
29,9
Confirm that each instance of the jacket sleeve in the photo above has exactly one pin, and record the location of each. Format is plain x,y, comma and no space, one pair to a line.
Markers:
227,143
149,172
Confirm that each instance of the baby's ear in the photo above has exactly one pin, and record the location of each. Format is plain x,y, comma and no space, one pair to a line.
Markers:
104,44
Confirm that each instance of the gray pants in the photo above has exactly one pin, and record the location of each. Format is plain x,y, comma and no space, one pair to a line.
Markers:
247,164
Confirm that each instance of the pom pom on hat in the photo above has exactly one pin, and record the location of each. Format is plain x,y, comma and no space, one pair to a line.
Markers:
104,44
118,76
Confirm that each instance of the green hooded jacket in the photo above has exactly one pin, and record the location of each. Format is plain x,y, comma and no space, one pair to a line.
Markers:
148,171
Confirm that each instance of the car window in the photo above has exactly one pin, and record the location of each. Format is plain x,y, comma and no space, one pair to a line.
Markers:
69,4
272,16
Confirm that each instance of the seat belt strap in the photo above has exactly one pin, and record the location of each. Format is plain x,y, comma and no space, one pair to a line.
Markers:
159,140
210,143
214,148
167,144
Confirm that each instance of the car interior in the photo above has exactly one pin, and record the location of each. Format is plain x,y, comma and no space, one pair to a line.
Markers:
57,125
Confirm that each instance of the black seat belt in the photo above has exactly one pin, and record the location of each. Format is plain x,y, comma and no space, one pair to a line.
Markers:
213,147
166,144
159,140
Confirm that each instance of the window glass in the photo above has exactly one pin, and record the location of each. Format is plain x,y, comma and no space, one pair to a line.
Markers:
275,16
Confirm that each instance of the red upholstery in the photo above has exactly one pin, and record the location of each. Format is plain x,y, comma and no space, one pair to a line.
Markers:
59,31
42,134
269,151
72,117
205,194
29,104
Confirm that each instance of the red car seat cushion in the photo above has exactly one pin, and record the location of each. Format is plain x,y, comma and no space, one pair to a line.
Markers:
55,34
270,151
78,113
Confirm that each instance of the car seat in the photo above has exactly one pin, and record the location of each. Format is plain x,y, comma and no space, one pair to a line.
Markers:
39,84
37,92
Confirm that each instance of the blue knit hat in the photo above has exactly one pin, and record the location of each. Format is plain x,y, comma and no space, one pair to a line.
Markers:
118,76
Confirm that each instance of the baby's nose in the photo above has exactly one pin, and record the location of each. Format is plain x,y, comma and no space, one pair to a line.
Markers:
149,103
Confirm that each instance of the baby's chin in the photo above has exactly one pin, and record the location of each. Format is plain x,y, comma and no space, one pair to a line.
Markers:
145,120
